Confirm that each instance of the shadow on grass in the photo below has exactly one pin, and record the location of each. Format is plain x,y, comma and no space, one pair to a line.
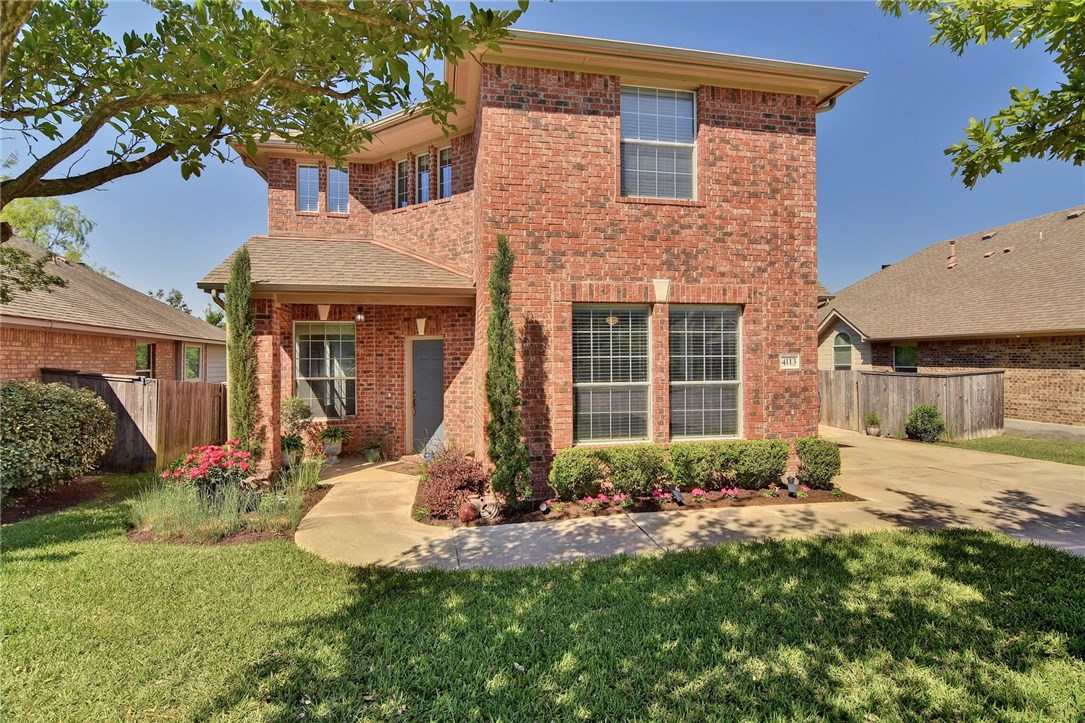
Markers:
947,625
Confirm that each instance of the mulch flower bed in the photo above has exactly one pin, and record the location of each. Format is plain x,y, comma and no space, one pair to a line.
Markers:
78,491
614,505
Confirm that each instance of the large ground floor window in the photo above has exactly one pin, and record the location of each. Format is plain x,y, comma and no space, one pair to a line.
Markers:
325,368
610,373
705,371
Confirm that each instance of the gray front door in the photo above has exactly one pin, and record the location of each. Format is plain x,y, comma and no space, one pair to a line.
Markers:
427,394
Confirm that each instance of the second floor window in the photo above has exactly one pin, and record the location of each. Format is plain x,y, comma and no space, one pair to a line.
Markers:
421,179
658,129
308,188
402,176
338,191
444,173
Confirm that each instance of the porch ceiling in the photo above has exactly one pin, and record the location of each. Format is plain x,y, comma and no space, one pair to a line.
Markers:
341,265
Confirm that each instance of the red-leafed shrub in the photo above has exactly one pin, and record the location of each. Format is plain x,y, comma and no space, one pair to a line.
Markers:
448,481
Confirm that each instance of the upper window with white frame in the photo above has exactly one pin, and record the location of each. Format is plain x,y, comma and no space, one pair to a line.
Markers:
421,178
444,173
403,170
610,373
338,190
325,367
308,188
706,377
842,348
658,130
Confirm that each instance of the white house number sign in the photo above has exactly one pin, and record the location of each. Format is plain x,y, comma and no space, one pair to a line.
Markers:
789,361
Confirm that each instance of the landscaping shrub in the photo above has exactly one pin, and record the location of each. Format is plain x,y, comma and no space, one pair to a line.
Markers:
50,434
575,473
760,462
925,423
819,462
448,481
305,475
211,468
635,469
704,465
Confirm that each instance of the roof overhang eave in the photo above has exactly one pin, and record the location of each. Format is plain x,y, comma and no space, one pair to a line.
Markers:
52,325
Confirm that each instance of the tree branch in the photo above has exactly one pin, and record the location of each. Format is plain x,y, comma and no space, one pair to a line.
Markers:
13,16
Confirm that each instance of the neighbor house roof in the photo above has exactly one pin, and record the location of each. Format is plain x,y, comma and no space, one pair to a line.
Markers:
1023,278
95,303
336,265
824,293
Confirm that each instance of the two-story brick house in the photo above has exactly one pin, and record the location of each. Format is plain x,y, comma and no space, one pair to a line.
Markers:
661,205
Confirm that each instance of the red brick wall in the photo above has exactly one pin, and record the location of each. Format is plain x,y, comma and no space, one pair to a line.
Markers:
25,352
1044,379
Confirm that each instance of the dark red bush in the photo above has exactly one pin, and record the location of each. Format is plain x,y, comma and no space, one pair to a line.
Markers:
448,481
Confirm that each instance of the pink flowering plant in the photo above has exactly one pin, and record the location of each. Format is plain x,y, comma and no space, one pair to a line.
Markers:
698,495
660,496
212,467
731,493
594,503
804,491
621,499
773,490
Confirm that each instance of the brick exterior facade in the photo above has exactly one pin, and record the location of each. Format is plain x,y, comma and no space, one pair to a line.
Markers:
542,166
1044,379
27,351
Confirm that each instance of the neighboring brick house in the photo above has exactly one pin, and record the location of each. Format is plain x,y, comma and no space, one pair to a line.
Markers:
661,204
96,324
1007,298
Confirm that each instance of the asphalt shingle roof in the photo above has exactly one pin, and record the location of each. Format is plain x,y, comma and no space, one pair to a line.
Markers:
92,299
343,264
1021,278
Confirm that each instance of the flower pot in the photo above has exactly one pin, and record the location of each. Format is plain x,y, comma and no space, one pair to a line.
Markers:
331,451
289,459
372,454
874,431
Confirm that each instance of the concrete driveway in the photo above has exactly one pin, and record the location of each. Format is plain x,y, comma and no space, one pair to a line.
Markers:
365,518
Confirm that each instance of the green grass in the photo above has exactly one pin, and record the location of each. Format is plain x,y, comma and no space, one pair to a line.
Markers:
1048,449
951,625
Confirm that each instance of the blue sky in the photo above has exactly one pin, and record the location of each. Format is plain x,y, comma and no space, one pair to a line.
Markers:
884,185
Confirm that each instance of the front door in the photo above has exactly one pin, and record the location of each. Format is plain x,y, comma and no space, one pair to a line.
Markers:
427,394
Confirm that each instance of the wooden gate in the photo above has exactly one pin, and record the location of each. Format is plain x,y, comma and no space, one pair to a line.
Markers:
971,402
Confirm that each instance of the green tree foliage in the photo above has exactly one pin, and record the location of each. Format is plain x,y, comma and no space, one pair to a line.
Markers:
214,316
505,429
173,297
240,355
1034,124
50,224
214,73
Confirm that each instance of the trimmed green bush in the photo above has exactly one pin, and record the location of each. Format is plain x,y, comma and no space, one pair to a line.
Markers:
760,462
819,462
707,465
575,473
635,469
50,434
925,423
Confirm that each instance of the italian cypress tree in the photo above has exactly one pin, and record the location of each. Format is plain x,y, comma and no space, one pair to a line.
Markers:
505,429
240,329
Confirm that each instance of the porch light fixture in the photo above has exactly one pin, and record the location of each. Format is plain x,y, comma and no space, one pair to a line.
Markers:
612,320
359,315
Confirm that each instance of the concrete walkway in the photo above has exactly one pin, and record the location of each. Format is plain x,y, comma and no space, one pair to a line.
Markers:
365,517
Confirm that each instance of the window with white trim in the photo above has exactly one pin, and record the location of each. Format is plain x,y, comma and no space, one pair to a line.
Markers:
145,360
906,359
338,190
193,362
403,170
658,129
705,371
308,188
421,178
444,173
842,347
325,367
610,373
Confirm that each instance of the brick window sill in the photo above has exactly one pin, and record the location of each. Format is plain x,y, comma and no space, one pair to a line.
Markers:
307,213
661,201
338,215
434,202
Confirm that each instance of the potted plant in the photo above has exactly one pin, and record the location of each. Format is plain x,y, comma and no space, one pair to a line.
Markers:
873,424
372,448
333,438
291,446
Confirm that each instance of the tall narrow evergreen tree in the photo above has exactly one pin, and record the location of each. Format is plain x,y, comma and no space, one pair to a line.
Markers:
505,430
240,329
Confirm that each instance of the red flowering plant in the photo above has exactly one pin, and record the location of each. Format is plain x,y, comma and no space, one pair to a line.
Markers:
212,467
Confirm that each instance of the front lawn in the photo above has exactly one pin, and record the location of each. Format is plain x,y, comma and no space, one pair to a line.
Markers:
950,625
1052,450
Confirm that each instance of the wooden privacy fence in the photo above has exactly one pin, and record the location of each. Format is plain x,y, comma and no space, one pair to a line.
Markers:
157,419
970,402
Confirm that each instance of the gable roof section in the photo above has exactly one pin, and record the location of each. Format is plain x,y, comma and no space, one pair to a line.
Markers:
1024,278
94,300
335,265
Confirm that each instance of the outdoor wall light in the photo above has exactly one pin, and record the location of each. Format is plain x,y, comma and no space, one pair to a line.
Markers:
359,316
612,320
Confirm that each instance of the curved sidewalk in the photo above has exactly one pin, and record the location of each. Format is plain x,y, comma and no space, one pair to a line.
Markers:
365,518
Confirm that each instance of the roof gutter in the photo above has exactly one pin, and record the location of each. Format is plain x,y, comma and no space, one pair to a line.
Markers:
50,325
827,106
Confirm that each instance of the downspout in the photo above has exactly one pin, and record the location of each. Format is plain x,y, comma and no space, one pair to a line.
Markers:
826,107
217,299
